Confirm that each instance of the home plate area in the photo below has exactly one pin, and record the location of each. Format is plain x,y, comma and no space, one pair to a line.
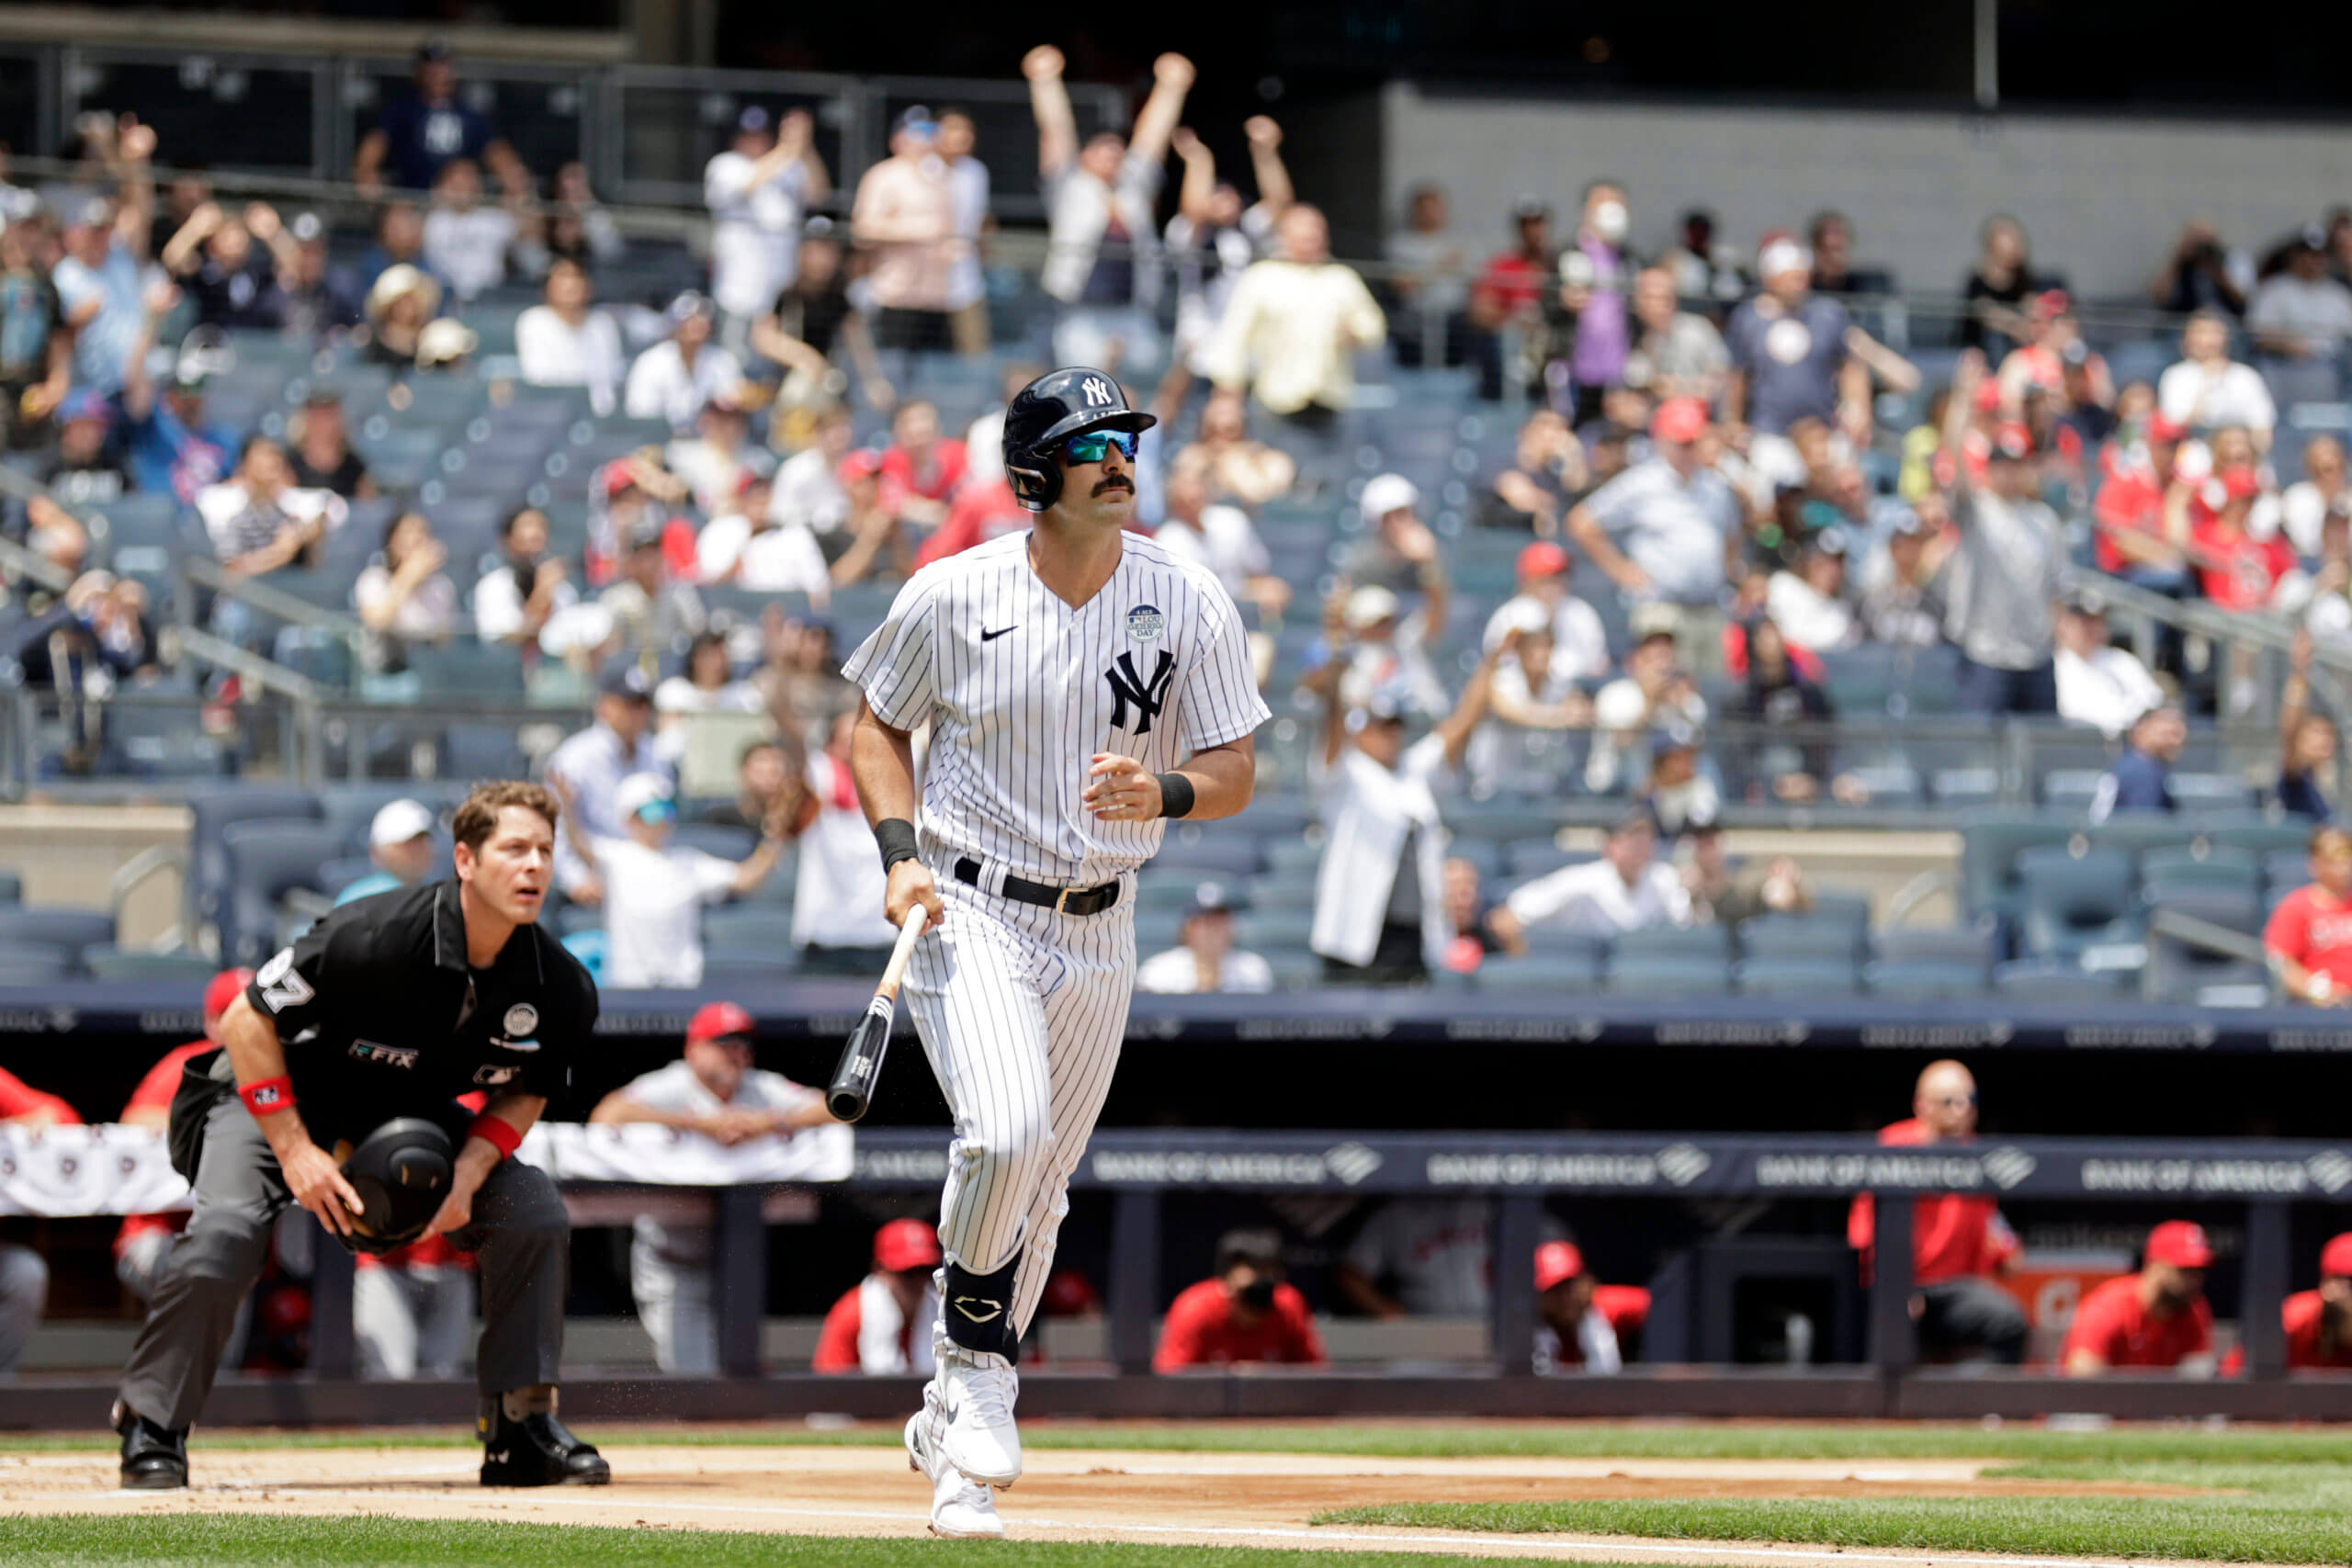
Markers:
1139,1496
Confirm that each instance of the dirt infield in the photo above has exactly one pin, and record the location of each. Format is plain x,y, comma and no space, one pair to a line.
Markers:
1167,1499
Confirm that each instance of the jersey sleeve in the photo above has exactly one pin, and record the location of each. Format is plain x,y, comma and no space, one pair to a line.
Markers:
897,667
1220,696
714,878
292,989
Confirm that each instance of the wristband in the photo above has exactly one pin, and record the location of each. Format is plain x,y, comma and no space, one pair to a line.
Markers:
1175,795
497,1134
268,1096
896,837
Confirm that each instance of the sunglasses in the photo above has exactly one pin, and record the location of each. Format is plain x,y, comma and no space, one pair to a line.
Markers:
1092,447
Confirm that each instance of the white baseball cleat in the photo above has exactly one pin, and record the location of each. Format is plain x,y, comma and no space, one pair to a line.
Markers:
960,1506
975,1390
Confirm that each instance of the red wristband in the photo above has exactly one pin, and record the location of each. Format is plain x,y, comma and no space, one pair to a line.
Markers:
268,1096
497,1134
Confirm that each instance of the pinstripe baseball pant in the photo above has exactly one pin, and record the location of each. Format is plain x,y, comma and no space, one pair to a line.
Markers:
1022,1011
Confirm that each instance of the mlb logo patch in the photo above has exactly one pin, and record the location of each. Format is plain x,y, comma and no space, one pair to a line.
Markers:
1145,623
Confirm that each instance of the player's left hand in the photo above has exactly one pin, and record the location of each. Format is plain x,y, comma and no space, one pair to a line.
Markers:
1121,789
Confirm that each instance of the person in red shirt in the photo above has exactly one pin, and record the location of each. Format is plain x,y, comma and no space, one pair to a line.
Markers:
2309,937
24,1277
1245,1314
1960,1244
2155,1318
2142,512
2236,571
1582,1323
145,1240
2318,1322
922,468
883,1322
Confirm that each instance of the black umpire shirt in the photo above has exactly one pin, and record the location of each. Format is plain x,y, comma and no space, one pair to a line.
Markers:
380,1015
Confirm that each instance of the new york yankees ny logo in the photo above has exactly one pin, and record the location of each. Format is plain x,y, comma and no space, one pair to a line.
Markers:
1127,685
1098,393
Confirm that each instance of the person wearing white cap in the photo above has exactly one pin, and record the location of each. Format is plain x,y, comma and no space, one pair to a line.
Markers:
1380,895
1398,552
1789,354
400,840
654,890
676,377
1379,652
756,191
1206,962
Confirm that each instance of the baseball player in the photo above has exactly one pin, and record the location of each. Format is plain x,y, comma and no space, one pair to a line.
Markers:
391,1007
1082,685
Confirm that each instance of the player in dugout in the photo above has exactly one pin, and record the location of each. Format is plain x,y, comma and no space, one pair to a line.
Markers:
1582,1325
883,1322
2319,1322
2157,1317
1960,1244
1246,1314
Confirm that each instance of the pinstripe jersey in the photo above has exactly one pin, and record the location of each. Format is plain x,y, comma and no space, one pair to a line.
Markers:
1022,689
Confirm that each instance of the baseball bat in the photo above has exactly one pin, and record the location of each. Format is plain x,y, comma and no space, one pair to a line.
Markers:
851,1090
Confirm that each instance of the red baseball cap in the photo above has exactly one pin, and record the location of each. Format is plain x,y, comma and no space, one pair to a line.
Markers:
862,464
223,988
1679,419
906,1244
1069,1293
2180,1243
2335,1257
2240,483
719,1021
1555,1262
1542,559
2051,302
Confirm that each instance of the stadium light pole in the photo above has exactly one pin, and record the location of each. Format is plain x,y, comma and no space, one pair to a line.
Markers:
1988,54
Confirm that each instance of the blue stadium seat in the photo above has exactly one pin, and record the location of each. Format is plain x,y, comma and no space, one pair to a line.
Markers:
1672,944
135,966
2200,865
1668,975
1799,976
32,963
70,931
1926,979
267,860
1801,936
211,812
1547,974
1939,944
738,929
2069,902
2056,981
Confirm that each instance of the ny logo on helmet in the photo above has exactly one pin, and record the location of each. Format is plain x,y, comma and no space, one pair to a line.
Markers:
1127,685
1098,393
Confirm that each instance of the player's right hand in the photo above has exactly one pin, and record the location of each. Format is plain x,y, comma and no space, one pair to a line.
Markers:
317,1183
912,884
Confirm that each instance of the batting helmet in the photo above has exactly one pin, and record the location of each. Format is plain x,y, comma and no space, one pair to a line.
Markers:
402,1172
1048,411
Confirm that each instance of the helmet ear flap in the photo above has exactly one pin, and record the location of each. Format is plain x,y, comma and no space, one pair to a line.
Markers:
1037,481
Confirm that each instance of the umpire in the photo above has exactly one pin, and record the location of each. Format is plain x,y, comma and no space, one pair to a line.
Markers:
389,1008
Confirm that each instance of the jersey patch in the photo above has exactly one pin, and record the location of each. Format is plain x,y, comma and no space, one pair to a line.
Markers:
1145,623
281,988
491,1076
1128,686
390,1055
522,1019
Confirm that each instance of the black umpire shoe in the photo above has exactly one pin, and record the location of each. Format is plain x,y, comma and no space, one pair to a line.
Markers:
154,1459
539,1450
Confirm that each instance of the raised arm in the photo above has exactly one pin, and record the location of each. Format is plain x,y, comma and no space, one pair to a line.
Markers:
1049,102
1172,78
1455,727
1200,176
179,255
1966,377
797,134
1266,161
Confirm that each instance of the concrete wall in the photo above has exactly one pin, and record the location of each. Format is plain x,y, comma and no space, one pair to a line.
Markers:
2102,198
68,855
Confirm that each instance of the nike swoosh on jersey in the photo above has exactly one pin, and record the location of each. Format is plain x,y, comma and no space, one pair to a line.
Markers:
992,635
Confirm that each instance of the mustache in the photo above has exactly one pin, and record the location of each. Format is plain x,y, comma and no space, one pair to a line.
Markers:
1114,481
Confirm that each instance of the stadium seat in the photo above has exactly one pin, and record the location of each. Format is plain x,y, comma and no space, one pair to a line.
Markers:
267,860
2069,902
2056,981
2200,865
738,930
69,931
1798,977
1668,975
2179,970
715,838
1540,975
32,963
1667,944
1940,944
1990,845
135,966
1800,936
2284,870
1926,979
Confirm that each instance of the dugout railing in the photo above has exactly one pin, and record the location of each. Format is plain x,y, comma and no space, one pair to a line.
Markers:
1141,1170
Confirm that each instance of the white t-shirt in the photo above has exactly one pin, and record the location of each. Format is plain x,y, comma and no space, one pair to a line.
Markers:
553,352
1176,973
1807,616
1580,642
808,493
2317,311
1224,542
1593,898
1437,1253
429,611
776,560
2188,394
837,896
498,599
2301,512
468,248
662,386
653,901
675,1088
755,234
2107,691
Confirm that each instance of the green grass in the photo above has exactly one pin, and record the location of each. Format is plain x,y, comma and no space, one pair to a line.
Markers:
2252,1512
275,1541
2014,1443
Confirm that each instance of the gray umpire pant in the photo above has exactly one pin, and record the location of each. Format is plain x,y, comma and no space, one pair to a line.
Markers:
520,1234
